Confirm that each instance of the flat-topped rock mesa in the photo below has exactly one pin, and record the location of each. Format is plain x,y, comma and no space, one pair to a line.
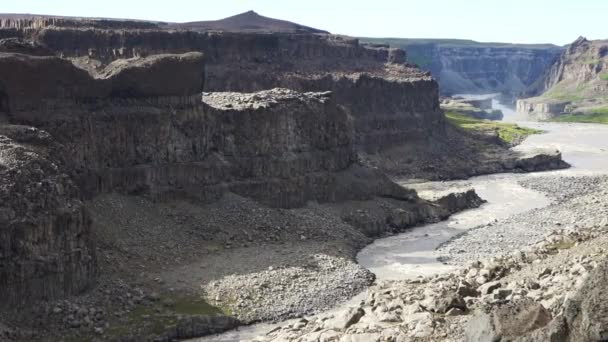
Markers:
576,83
466,66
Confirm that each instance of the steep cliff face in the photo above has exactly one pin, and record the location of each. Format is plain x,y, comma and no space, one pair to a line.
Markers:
46,247
140,127
463,66
576,83
391,102
387,111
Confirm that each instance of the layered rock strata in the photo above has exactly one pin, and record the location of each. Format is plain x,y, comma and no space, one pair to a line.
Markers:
403,107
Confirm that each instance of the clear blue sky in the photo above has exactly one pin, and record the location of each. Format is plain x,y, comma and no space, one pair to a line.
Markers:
517,21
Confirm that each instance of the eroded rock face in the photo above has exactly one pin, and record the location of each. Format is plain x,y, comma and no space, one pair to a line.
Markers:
575,83
46,247
586,315
280,147
391,102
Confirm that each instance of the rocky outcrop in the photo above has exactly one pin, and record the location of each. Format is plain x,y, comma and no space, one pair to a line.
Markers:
46,247
26,47
463,66
584,315
508,321
582,62
583,318
576,83
33,85
386,112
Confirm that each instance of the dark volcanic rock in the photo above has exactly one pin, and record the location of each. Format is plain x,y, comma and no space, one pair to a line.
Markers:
34,84
26,47
46,247
125,105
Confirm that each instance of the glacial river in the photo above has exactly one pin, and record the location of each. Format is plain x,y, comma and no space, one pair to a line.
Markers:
410,254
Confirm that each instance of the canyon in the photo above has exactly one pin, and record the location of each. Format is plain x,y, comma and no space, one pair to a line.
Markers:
164,181
470,67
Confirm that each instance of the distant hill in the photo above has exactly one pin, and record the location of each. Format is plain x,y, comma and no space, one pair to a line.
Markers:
248,22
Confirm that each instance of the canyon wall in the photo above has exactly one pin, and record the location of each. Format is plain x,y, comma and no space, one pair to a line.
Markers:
141,127
46,244
391,102
576,83
463,66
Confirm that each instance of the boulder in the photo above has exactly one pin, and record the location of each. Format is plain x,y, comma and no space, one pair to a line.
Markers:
442,303
507,321
344,319
586,314
488,288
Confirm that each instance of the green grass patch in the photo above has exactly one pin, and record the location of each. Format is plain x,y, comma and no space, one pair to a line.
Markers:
604,77
156,318
508,132
560,93
599,116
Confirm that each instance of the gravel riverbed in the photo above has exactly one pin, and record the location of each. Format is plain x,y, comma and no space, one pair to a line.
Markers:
533,263
578,202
